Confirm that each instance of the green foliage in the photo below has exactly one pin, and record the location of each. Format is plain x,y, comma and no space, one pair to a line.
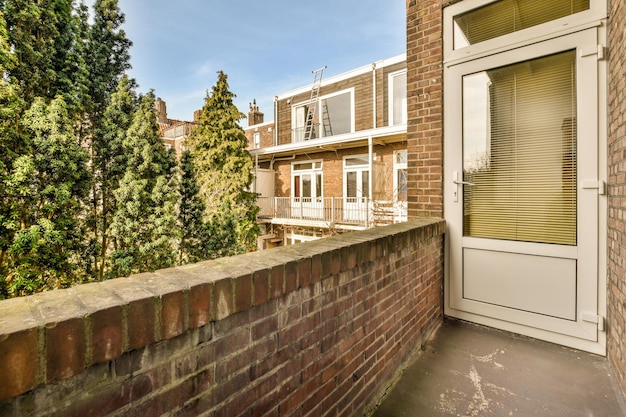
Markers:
192,246
224,166
144,223
109,163
45,188
87,189
107,55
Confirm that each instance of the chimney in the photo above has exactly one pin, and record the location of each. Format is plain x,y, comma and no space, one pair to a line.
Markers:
161,109
255,117
196,115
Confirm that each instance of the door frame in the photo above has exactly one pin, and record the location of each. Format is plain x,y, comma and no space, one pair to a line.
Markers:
453,161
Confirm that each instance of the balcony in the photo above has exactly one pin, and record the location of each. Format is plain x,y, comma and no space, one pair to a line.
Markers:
471,370
331,212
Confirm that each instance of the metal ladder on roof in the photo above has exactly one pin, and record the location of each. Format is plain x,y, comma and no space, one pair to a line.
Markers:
310,115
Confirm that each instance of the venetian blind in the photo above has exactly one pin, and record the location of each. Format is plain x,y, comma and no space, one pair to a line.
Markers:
519,127
508,16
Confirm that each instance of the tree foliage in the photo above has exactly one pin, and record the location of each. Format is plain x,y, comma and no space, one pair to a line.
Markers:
224,168
88,190
144,223
109,160
46,187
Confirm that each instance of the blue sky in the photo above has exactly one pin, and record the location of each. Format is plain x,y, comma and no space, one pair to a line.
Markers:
266,47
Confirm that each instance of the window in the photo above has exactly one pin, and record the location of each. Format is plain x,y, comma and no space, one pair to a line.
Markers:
257,140
520,152
356,177
508,16
307,180
397,98
333,115
400,175
482,27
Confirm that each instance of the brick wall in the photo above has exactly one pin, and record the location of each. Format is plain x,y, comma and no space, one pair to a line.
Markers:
617,190
317,329
425,107
333,169
266,132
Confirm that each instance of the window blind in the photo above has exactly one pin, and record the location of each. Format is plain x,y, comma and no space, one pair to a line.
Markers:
508,16
519,127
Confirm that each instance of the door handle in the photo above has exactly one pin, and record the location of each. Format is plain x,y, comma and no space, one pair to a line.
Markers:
456,181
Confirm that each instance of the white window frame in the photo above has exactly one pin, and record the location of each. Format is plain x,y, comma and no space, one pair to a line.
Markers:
257,140
390,98
565,25
358,168
317,167
294,113
397,166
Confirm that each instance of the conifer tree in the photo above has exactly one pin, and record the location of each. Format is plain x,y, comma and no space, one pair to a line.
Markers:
45,186
192,246
109,160
144,224
107,54
107,59
11,106
224,168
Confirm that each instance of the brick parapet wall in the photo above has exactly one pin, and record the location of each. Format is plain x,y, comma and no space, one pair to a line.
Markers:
617,190
315,329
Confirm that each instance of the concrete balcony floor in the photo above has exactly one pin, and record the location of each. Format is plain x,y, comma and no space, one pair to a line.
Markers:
474,371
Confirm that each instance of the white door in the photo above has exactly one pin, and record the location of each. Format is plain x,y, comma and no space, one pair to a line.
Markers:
356,188
521,190
307,202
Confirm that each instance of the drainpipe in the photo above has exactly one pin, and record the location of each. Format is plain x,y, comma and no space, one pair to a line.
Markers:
287,158
256,171
370,175
374,93
275,120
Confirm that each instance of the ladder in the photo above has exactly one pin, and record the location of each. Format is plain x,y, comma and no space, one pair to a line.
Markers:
315,92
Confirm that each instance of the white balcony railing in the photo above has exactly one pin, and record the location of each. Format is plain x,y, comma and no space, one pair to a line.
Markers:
331,211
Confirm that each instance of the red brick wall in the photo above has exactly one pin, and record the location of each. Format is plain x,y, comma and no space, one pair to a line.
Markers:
333,169
617,190
266,132
425,107
318,329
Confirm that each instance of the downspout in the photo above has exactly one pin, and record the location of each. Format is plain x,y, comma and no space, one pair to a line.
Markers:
374,94
256,171
370,177
275,120
287,158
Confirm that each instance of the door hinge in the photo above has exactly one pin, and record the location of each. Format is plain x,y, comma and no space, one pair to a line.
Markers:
594,318
595,185
598,50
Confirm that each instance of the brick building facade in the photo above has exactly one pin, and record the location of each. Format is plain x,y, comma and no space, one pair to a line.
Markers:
340,170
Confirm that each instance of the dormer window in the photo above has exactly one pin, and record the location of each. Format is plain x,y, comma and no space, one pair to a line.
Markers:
334,115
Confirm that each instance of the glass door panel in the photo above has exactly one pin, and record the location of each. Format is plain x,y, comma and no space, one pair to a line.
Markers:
519,151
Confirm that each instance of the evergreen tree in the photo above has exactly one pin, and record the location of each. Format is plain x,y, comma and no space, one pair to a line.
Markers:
192,246
107,59
109,161
45,187
224,167
11,106
43,37
144,224
107,54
